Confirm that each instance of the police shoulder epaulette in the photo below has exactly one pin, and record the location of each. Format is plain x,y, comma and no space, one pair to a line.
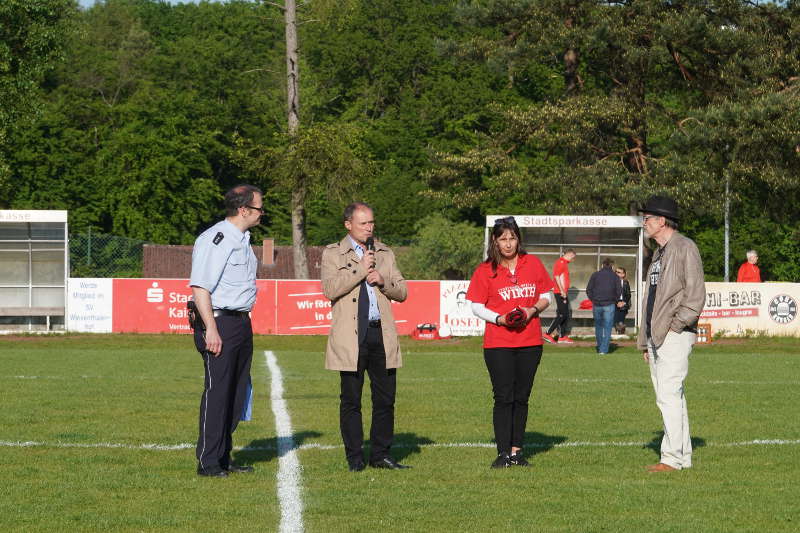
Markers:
218,237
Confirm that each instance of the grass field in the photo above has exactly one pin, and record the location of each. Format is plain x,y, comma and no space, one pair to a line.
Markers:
78,412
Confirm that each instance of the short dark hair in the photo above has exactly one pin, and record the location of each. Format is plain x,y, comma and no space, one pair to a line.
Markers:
352,208
607,262
569,251
239,196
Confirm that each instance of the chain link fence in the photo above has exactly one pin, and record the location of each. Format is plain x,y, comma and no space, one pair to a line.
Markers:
97,255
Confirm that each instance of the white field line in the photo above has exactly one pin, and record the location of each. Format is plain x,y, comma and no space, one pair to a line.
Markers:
415,379
317,446
289,480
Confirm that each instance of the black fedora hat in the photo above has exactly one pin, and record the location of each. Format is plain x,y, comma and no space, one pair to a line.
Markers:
662,206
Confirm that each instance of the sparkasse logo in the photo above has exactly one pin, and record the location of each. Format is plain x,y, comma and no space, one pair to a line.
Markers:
155,294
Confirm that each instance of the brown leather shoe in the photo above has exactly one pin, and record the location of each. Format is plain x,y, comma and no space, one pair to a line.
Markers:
660,467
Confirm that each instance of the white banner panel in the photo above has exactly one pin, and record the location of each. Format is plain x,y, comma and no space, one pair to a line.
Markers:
455,314
89,305
739,308
17,215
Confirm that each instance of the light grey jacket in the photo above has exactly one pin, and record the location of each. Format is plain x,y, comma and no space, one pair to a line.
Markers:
681,292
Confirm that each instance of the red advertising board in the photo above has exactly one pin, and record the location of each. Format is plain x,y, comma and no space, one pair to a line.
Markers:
421,306
283,307
150,305
302,309
265,315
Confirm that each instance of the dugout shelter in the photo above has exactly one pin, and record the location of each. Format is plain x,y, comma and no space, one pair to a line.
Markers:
34,270
593,238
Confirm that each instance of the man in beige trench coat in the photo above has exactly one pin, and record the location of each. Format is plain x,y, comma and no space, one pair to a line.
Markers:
360,277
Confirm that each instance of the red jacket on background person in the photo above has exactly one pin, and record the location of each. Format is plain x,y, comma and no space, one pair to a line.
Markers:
749,273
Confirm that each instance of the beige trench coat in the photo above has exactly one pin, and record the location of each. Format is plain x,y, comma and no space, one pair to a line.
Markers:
342,274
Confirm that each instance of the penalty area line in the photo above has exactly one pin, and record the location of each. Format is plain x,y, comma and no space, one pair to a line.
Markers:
401,445
289,479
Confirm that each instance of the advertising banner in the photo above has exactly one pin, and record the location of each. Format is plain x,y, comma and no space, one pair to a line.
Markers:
298,307
456,316
89,305
265,312
283,307
151,305
421,306
739,308
302,308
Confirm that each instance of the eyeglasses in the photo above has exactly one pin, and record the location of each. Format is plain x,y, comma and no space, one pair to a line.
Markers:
505,220
648,217
259,209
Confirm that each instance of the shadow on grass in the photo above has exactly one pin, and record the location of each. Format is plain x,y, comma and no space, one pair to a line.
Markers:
406,444
655,444
263,450
536,443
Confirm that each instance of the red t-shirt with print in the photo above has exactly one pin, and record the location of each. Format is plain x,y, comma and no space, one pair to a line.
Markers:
505,291
561,267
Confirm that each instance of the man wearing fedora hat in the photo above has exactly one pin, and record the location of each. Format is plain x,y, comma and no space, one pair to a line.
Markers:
674,297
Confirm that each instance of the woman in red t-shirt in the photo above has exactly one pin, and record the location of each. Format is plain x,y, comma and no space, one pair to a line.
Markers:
508,280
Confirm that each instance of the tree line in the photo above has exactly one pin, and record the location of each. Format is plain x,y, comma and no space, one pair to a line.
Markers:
136,115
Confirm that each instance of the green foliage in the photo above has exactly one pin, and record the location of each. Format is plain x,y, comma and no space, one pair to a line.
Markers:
32,38
459,108
442,249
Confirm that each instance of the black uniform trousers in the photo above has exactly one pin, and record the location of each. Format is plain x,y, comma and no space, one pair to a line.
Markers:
383,386
561,321
512,371
226,379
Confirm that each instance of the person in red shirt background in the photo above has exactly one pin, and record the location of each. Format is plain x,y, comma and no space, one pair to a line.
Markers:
510,284
561,290
749,271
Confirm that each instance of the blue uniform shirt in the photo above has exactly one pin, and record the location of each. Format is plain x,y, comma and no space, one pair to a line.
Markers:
374,312
224,264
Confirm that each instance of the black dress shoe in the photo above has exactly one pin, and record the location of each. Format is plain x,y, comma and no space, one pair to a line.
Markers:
387,462
212,472
239,469
357,466
516,459
503,461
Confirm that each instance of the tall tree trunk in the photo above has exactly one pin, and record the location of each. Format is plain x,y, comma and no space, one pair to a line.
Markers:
572,81
299,233
293,120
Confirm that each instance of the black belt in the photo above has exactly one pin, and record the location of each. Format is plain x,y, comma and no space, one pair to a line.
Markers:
230,312
374,323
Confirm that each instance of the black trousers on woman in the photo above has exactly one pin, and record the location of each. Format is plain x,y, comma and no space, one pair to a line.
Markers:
512,371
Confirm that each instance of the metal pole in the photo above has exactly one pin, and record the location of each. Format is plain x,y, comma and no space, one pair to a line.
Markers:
727,224
89,247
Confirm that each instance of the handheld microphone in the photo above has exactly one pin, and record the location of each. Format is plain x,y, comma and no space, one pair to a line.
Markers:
370,243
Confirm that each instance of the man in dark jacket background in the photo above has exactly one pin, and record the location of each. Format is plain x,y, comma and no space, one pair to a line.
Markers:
604,290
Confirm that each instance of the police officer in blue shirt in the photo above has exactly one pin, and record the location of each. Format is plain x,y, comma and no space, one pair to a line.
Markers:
224,289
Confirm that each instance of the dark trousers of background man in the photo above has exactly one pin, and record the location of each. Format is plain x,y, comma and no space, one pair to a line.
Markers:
383,385
226,378
512,371
563,314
